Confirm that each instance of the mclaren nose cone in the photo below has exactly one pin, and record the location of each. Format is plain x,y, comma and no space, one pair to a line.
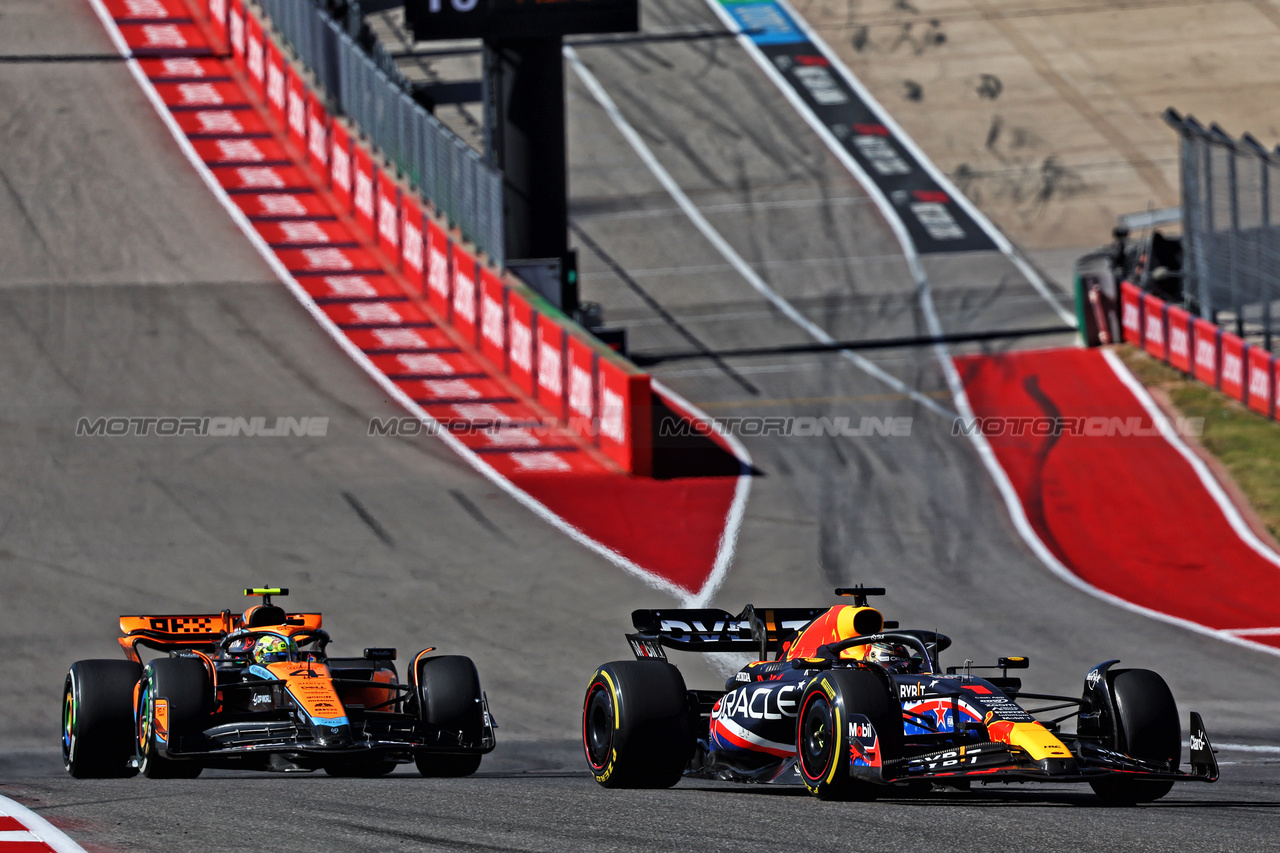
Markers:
327,735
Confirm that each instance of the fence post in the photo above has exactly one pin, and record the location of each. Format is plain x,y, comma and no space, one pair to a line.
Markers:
1221,139
1262,270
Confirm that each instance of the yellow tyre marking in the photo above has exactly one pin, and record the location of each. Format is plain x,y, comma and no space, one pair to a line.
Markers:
836,737
614,691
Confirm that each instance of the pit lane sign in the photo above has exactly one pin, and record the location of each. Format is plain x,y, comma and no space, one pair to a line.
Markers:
454,19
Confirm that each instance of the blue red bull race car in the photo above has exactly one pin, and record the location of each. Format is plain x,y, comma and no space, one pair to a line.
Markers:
856,708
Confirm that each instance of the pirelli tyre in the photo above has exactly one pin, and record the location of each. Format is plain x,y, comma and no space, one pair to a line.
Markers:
175,695
447,694
97,718
823,748
1146,726
636,727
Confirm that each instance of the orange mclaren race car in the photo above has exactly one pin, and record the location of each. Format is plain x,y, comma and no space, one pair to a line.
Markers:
854,707
257,691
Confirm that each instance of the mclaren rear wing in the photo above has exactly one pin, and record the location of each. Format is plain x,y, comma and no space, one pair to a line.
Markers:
190,631
753,630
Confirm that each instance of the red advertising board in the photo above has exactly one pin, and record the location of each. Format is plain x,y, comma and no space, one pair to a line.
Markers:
551,385
465,294
340,165
438,289
296,111
1275,389
259,179
376,315
1233,355
275,81
1206,350
362,174
189,68
493,318
388,201
218,17
254,62
582,387
1260,380
164,39
1153,325
221,123
624,409
138,11
228,151
202,95
300,233
329,260
351,288
1131,313
303,205
318,137
413,254
520,349
1179,328
235,31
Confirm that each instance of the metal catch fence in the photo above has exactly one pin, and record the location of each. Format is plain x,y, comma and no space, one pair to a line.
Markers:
1230,225
378,98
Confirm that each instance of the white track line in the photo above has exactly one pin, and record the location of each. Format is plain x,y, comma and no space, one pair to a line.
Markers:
727,543
38,828
1210,483
1013,504
722,246
1002,242
1246,747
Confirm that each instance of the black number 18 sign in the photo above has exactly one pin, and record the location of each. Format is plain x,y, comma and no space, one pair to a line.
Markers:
455,19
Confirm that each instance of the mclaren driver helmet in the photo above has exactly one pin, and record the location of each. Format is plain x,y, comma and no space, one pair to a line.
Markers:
271,648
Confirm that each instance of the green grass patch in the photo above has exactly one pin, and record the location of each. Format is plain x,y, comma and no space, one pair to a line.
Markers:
1247,444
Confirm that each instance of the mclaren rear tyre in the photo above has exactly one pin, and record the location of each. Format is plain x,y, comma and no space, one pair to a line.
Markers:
822,732
97,719
1146,727
636,727
176,694
449,696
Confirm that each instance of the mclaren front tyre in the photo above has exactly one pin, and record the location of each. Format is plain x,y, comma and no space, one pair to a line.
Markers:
174,696
448,695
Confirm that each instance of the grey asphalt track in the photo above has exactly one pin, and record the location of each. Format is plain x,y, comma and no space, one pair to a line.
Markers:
126,291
